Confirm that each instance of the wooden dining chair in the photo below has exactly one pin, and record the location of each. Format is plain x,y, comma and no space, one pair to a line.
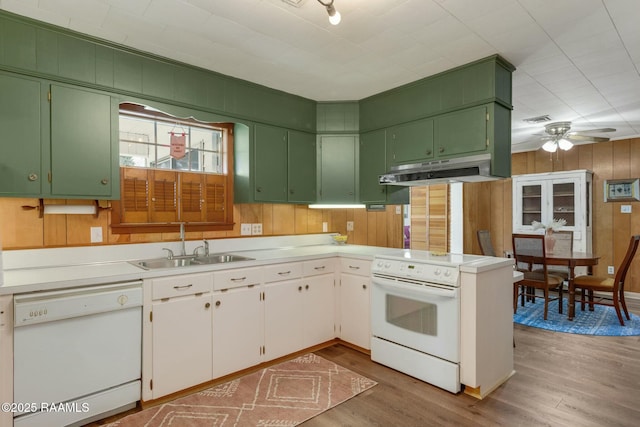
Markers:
528,249
563,246
605,285
484,240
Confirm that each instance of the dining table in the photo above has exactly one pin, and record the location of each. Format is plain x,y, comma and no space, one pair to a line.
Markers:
572,260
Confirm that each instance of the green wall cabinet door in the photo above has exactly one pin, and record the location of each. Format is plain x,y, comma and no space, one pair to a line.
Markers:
411,142
461,132
270,163
301,180
338,169
20,140
373,162
82,149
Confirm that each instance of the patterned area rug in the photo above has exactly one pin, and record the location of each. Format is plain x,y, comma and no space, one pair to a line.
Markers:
281,395
602,321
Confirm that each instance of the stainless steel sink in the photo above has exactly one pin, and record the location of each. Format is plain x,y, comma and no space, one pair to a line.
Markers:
221,258
166,263
185,261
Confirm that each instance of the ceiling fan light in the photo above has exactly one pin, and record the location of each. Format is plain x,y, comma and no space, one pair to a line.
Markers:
565,144
334,15
550,146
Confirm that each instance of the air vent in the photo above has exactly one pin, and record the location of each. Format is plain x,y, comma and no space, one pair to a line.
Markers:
294,3
538,119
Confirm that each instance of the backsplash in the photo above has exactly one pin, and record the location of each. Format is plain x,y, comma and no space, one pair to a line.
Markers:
23,229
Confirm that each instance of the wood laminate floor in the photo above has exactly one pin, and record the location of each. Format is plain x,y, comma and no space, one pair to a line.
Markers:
560,380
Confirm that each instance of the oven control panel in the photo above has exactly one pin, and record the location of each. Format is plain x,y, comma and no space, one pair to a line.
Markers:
426,272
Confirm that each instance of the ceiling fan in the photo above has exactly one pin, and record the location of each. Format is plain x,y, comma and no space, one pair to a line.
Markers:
559,135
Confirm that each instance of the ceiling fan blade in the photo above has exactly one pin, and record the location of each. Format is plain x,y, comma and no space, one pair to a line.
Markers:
601,130
586,138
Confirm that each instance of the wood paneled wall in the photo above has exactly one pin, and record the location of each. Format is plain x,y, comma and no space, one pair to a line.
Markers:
488,205
22,229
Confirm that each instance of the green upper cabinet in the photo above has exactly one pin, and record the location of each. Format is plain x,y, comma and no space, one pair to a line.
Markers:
410,142
277,165
461,132
338,173
83,144
301,180
20,121
270,144
484,81
63,149
373,163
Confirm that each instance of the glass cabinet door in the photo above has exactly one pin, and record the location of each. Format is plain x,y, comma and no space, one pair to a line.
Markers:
531,204
564,203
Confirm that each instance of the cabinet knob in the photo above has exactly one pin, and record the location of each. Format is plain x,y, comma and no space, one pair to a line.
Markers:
104,181
217,303
33,177
441,150
207,305
306,287
428,152
364,286
299,288
291,191
258,189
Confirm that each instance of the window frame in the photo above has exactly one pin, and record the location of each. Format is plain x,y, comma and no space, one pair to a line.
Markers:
118,206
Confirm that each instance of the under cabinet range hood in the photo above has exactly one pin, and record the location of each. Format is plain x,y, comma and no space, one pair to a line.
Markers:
462,169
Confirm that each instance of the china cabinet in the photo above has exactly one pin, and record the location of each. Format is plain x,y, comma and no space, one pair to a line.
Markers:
565,196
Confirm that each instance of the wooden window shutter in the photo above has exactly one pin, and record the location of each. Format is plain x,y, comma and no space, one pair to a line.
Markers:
215,198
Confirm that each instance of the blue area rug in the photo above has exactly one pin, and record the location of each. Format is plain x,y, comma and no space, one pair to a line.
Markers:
601,321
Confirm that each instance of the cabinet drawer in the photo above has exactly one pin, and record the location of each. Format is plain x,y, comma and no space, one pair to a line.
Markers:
176,286
318,266
278,272
361,267
228,279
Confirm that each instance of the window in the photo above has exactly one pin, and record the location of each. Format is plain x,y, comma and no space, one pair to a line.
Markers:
173,170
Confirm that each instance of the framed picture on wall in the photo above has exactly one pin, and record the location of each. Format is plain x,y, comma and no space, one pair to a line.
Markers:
622,190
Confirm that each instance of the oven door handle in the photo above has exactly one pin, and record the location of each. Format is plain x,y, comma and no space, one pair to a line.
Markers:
417,289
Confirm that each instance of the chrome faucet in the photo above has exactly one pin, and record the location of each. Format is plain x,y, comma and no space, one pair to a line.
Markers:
169,253
205,246
183,251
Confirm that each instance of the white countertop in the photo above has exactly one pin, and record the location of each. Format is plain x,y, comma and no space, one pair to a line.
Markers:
51,269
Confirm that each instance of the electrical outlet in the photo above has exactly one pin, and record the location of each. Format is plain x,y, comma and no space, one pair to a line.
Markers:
245,229
325,227
610,270
625,208
349,225
96,234
256,229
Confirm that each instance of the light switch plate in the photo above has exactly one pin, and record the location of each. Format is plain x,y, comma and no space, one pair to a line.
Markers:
325,227
610,269
245,229
349,225
96,234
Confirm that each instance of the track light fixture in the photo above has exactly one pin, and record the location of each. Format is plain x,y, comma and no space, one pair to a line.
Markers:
334,15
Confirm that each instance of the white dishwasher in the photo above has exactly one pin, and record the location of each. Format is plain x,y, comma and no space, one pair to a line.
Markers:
77,354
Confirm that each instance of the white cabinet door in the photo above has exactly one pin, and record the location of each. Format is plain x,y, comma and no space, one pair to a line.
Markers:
284,318
555,195
319,309
238,330
355,321
182,352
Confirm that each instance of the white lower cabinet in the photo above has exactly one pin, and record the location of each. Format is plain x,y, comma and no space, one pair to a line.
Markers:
181,335
319,304
284,318
238,333
355,317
